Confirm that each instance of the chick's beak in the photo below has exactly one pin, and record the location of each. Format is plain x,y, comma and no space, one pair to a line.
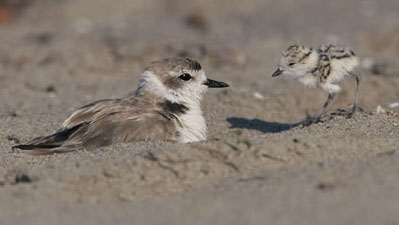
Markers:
278,72
215,84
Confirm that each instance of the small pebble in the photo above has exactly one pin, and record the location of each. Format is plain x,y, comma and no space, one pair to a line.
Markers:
393,105
380,109
258,95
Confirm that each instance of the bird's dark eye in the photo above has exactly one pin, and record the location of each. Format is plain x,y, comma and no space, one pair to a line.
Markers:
185,77
291,64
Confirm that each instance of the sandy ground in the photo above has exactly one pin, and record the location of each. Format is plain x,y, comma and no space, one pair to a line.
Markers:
255,168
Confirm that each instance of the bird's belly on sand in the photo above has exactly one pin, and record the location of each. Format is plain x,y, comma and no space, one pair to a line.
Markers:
193,128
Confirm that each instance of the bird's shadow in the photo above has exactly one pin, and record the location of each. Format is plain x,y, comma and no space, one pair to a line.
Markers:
259,125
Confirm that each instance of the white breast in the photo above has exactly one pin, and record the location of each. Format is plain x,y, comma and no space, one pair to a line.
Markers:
193,126
309,80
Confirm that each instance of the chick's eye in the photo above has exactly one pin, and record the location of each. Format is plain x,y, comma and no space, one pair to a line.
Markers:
185,77
291,64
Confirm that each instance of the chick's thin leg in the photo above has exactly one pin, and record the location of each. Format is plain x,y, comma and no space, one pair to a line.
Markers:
328,101
315,119
350,113
358,77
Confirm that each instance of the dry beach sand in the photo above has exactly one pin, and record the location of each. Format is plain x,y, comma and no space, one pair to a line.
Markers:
255,168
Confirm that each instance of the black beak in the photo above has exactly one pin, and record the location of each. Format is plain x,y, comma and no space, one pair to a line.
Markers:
278,72
215,84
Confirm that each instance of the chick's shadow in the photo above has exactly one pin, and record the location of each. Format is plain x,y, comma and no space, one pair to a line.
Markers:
259,125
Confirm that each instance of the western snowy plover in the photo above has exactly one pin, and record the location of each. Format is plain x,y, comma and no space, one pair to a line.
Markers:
165,106
325,67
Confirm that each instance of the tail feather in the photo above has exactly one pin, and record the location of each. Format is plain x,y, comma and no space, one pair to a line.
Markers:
53,143
48,151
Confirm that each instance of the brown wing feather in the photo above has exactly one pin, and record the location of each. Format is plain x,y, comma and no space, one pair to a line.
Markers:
52,143
104,122
125,126
86,113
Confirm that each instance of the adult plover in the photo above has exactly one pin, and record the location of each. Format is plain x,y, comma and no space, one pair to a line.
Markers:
325,67
165,106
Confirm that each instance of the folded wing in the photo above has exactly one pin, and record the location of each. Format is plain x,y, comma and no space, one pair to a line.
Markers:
102,123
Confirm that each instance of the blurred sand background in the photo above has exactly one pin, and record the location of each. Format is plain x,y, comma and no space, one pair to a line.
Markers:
254,169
